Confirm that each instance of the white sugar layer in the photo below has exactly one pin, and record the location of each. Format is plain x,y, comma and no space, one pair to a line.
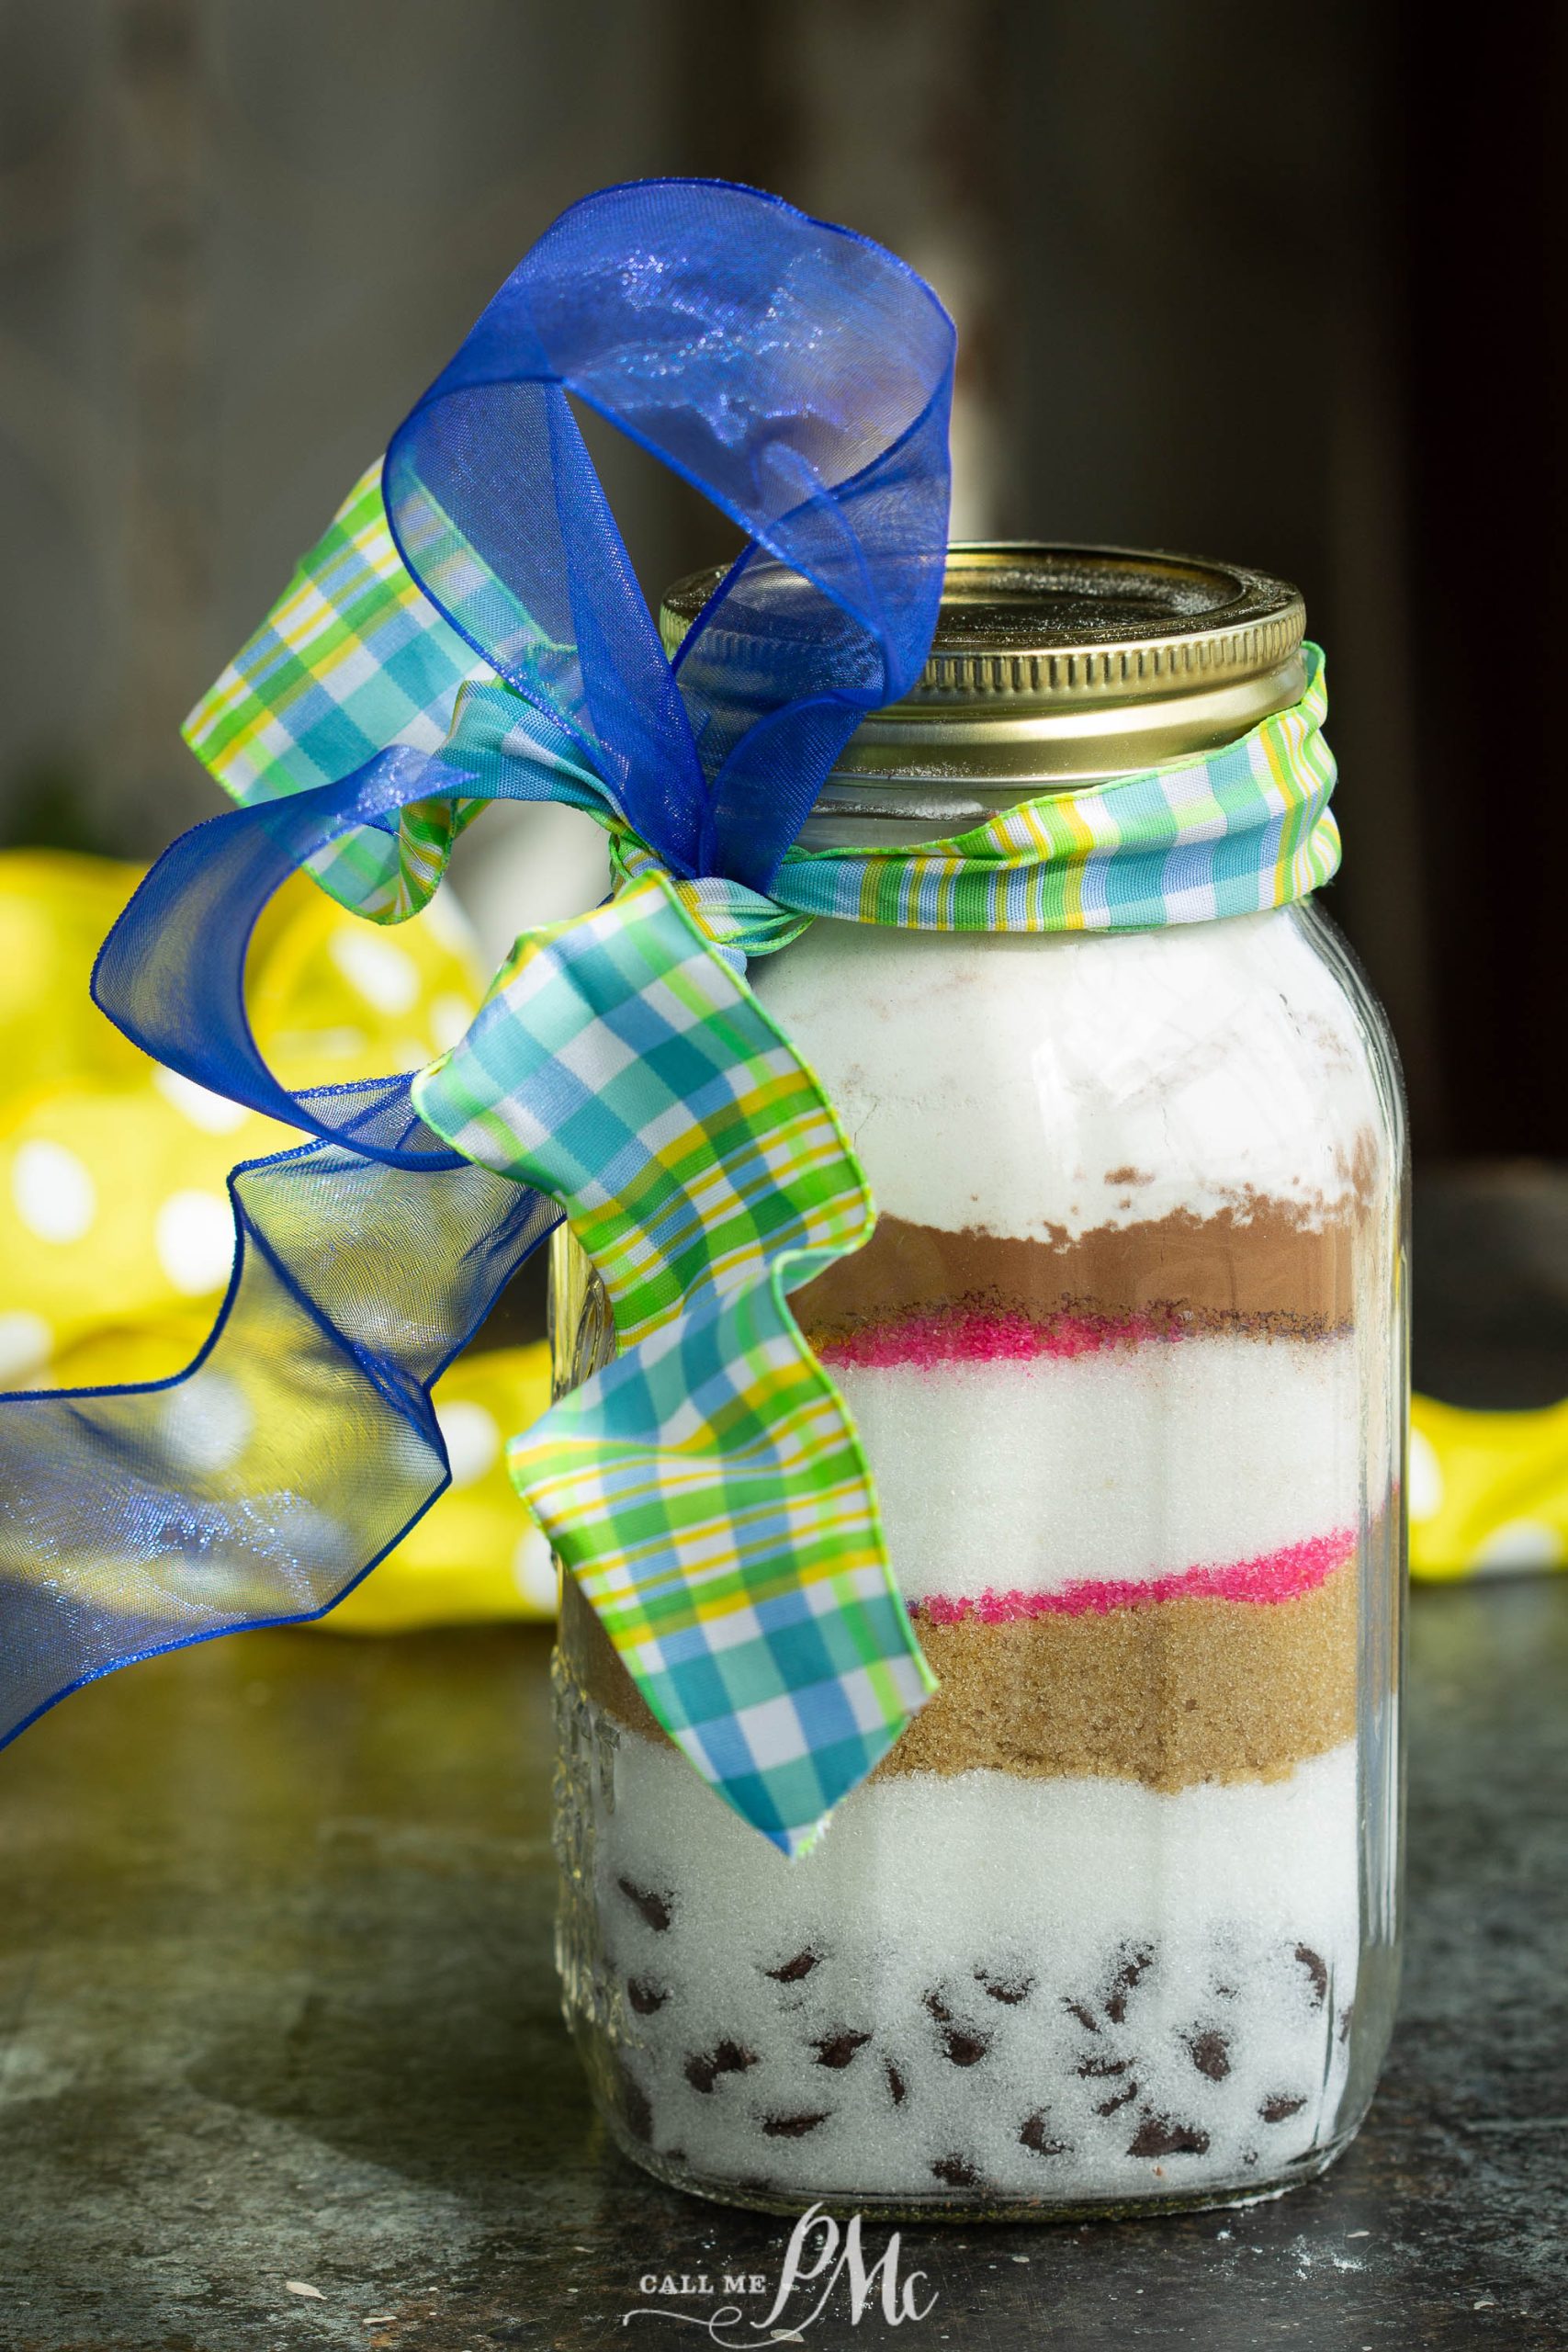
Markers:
1039,1087
1053,1989
1131,1464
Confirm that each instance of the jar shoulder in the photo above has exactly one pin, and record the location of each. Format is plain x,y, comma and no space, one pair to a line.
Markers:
1076,1078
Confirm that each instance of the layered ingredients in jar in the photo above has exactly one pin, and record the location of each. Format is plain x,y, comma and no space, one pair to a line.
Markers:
1092,1927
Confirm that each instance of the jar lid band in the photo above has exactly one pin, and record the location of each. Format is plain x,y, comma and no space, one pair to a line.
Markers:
1050,665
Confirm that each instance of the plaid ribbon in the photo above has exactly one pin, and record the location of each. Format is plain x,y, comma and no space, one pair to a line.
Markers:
707,1488
355,658
1229,832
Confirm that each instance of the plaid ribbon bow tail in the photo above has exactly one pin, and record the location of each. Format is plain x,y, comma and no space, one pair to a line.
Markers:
707,1489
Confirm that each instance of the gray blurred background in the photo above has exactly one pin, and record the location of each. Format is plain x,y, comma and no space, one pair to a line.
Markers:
1251,281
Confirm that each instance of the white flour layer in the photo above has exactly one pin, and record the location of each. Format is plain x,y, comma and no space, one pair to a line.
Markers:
1130,1463
1008,1082
1061,1988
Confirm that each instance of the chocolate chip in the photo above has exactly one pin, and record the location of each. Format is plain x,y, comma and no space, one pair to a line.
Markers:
655,1908
1096,2069
646,1999
1345,2022
1036,2135
794,1969
1084,2016
1278,2109
965,2049
792,2127
1317,1969
958,2171
1121,2099
704,2067
1137,1965
1010,1989
1159,2135
837,2049
1211,2055
895,2083
939,2009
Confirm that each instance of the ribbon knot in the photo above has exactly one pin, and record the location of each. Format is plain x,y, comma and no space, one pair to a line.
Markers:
469,629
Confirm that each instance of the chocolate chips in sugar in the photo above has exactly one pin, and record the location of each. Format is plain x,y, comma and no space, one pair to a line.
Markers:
1038,2135
831,2060
1162,2135
704,2067
837,2050
1011,1989
656,1908
1211,2054
957,2172
961,2042
793,1971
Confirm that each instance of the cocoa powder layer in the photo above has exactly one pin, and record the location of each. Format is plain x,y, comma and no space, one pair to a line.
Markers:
1166,1692
1259,1265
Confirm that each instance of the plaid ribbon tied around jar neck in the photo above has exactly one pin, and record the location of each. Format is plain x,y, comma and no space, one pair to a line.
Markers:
469,629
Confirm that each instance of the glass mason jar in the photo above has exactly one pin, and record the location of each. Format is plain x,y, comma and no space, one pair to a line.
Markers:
1115,1923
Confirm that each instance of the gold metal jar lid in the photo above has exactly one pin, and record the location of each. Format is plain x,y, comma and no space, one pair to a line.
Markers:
1050,665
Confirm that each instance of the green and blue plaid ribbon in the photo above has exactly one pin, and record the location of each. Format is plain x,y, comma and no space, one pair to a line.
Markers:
707,1489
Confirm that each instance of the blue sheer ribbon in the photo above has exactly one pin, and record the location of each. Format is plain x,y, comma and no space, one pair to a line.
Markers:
801,376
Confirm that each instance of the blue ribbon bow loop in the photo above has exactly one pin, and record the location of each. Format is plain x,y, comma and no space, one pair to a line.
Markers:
797,375
801,377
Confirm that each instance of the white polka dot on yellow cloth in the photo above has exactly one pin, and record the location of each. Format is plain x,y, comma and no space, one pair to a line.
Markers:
386,975
207,1421
535,1572
213,1113
55,1197
1426,1477
473,1441
449,1017
26,1344
194,1236
1519,1543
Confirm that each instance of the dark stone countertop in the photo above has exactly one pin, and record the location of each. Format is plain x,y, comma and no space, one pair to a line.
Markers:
277,2004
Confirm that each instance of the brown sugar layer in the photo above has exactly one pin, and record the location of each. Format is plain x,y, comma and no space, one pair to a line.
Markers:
1259,1265
1166,1692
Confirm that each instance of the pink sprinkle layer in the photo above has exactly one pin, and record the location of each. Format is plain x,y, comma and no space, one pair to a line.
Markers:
984,1334
1275,1575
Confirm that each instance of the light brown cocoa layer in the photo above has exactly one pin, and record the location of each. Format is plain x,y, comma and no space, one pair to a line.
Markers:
1258,1265
1166,1692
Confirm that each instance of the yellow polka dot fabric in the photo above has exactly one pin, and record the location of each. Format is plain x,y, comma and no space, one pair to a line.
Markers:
116,1235
115,1231
1488,1491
